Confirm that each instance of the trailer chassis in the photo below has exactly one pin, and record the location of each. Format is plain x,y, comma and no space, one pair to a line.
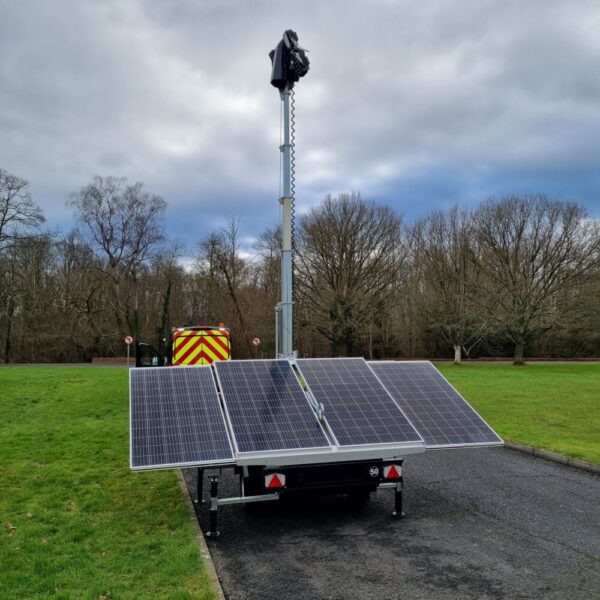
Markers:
330,486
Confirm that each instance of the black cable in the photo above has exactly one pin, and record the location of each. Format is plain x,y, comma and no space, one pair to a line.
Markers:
292,203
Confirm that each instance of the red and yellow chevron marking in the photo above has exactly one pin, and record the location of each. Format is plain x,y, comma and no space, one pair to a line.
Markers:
200,347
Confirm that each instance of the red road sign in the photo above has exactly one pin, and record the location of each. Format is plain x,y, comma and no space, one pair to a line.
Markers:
128,340
256,341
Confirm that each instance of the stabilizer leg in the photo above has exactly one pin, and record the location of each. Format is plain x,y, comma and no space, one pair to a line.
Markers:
214,506
398,513
199,487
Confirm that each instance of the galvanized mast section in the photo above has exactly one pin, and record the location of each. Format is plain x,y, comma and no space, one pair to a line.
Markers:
286,306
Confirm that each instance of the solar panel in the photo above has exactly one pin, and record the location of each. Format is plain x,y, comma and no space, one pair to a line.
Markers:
176,418
358,408
440,414
267,408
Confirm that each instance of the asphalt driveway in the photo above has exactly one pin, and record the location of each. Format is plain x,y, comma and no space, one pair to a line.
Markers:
484,523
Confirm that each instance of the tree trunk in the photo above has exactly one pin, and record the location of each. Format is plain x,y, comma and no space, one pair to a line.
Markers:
349,342
335,347
518,358
238,309
164,321
9,322
457,354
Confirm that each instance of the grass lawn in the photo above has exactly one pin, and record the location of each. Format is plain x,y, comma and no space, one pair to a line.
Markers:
551,406
74,521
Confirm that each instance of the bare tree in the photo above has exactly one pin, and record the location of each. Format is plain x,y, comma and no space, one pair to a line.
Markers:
267,265
349,255
19,215
165,277
80,293
268,248
20,219
25,308
531,250
223,268
445,251
123,225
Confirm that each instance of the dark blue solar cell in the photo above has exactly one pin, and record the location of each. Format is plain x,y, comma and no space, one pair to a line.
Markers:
440,414
176,418
267,407
358,408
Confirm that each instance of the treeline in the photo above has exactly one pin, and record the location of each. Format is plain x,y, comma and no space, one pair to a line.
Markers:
514,277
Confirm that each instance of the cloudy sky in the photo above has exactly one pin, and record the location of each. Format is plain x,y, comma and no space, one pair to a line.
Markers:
417,105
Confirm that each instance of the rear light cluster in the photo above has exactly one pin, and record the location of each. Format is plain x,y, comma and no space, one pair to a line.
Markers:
275,481
392,472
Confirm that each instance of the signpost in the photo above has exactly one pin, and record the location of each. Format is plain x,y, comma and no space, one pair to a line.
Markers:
256,344
128,340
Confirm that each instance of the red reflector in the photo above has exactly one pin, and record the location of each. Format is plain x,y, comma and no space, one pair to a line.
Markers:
274,481
392,472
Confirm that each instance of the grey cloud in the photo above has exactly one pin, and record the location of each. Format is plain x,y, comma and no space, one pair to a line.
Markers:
431,100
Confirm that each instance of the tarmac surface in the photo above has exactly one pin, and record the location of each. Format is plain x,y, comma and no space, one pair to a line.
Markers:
480,523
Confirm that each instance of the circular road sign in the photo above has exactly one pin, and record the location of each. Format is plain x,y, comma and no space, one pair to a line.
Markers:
128,340
256,341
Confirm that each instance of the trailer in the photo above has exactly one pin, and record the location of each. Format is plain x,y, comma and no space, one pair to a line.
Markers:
288,426
300,426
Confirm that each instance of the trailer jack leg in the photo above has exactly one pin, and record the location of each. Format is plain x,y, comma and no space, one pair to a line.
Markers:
214,506
199,487
398,498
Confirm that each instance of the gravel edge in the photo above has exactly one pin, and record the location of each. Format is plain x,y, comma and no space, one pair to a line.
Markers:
208,561
554,457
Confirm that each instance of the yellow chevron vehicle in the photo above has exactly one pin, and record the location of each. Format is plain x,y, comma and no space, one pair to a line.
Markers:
187,346
200,345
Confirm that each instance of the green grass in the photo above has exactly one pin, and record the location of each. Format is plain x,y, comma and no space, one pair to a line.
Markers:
74,521
550,406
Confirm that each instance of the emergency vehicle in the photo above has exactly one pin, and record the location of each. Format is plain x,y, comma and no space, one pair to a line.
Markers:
187,346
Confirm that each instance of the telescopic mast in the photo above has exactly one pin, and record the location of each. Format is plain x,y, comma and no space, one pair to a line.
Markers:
289,63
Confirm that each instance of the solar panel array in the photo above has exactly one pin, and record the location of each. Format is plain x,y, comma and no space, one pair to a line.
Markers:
267,408
176,418
440,414
358,408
